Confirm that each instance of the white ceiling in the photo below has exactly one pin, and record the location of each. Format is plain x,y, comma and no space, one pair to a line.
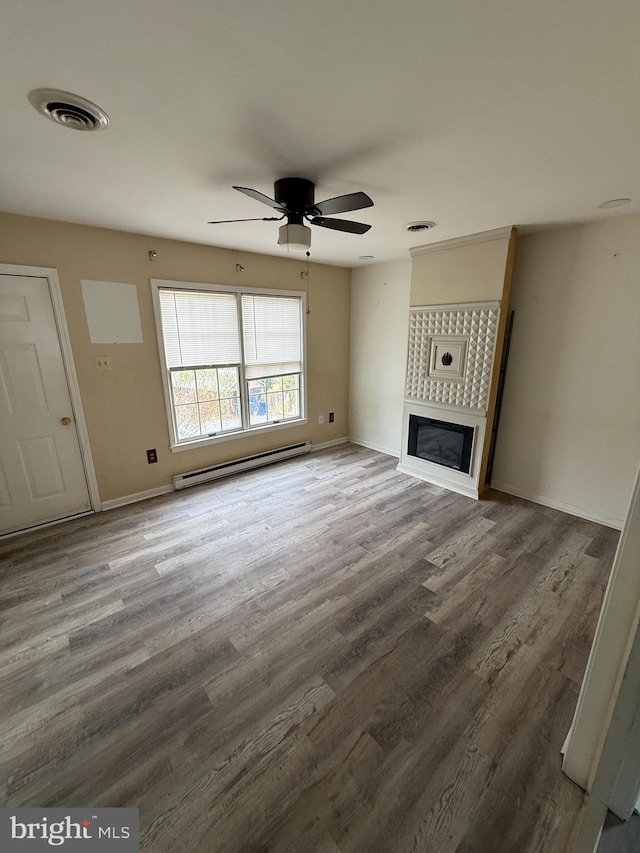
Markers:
473,114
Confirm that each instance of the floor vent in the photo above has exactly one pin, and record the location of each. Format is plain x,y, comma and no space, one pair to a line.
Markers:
204,475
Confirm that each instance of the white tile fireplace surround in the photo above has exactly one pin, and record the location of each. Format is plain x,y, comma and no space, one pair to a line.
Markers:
449,369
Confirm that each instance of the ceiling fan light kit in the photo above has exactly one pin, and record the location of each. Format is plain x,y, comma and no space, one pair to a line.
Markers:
296,238
294,199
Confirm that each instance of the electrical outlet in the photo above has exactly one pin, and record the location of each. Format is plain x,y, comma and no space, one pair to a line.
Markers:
320,419
332,417
152,455
103,362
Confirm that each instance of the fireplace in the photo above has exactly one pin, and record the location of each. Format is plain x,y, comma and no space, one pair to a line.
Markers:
454,358
450,375
440,442
443,446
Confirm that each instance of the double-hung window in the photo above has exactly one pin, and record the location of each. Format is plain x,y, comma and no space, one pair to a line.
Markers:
233,359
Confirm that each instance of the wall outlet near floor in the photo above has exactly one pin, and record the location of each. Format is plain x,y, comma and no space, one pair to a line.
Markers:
332,417
103,362
320,419
152,455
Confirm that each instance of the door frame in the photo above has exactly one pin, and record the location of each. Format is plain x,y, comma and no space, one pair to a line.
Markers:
55,294
602,751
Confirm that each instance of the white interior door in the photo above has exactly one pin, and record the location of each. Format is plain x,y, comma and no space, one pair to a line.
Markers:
42,477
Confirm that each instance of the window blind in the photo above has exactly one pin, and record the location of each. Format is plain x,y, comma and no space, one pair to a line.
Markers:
272,333
199,328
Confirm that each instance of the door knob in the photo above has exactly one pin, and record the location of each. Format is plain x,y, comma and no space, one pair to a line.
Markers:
65,421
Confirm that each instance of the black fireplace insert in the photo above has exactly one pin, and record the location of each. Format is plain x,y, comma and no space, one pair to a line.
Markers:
441,442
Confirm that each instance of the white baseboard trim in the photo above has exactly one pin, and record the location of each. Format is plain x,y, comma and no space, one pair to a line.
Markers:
386,450
139,496
333,443
581,512
35,527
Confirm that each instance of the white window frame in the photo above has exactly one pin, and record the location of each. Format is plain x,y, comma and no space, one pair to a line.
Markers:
174,443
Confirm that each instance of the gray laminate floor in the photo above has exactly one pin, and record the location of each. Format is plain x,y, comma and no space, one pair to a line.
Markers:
322,656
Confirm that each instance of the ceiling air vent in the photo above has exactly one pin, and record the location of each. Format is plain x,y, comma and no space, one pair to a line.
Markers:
416,227
68,109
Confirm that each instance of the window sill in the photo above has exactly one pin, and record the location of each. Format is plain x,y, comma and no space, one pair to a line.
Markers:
230,436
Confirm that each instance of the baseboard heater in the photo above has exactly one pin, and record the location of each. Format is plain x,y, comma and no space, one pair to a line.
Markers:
204,475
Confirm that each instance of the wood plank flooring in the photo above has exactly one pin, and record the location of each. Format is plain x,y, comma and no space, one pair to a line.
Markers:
321,656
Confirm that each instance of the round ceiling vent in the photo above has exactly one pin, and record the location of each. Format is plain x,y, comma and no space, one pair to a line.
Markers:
614,202
416,227
69,110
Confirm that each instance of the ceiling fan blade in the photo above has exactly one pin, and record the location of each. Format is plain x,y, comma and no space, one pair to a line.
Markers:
342,204
261,197
257,219
341,225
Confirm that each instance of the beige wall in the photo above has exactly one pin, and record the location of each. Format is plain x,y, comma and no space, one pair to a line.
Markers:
569,433
379,329
125,408
474,273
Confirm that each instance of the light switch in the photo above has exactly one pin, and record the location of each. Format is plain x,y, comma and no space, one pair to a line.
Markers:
103,362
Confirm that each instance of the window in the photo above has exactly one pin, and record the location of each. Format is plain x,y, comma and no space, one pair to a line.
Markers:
233,360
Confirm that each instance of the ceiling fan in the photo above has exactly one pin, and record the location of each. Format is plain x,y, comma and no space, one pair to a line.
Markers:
294,200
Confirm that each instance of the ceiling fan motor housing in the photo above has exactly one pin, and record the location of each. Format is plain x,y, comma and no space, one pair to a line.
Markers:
294,199
297,196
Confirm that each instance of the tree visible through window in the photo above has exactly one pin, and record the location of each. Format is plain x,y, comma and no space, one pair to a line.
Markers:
233,360
206,400
274,398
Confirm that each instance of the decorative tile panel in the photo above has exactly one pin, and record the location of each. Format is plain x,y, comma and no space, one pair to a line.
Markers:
478,325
